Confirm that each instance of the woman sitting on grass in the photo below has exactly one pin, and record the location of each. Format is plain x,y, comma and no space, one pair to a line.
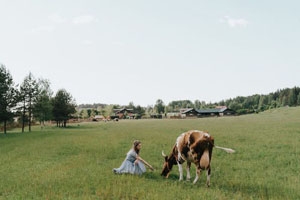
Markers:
133,163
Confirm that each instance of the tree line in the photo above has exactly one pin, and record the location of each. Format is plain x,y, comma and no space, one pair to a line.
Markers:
32,100
241,105
258,103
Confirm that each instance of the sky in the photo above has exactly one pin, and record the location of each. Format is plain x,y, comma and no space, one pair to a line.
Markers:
117,52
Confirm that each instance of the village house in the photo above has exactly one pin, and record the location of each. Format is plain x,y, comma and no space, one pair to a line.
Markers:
218,111
123,113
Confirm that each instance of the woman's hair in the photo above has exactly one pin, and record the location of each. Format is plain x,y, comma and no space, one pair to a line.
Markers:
135,144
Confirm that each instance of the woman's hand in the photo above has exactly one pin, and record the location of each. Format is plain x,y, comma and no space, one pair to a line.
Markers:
151,168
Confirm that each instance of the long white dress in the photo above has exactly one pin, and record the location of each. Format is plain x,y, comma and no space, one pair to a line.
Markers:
128,165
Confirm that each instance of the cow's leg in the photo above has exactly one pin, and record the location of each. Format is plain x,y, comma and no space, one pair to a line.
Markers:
188,168
208,177
198,172
180,172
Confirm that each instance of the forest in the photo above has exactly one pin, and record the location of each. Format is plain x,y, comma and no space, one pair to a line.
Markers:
262,102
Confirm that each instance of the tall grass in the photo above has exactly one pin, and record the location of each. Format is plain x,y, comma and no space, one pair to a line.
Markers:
76,162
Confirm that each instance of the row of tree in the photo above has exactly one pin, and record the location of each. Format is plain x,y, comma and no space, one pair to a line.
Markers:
242,105
32,100
257,103
245,105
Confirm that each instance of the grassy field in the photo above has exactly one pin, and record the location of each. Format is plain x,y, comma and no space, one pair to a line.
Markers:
76,162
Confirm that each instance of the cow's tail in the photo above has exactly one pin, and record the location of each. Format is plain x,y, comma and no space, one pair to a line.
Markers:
228,150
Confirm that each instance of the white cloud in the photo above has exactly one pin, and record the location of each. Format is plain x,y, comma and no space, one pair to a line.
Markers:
42,29
232,22
87,42
56,18
84,19
116,43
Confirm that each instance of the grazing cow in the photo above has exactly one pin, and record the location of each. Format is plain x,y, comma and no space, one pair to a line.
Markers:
192,146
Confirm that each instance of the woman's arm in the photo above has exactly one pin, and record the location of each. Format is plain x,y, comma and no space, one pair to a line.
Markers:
145,162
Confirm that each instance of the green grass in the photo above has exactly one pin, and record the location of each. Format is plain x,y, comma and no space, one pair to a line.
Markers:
76,162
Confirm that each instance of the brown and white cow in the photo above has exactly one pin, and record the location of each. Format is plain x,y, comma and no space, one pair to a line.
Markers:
192,146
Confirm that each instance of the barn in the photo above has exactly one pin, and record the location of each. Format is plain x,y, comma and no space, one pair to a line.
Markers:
123,113
190,113
218,111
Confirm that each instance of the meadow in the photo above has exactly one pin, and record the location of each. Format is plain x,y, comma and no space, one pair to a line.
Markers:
76,162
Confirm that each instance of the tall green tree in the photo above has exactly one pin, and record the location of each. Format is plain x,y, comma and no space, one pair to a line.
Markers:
42,109
175,106
139,110
298,99
263,103
160,106
28,93
89,112
131,105
8,95
293,97
109,110
284,101
63,107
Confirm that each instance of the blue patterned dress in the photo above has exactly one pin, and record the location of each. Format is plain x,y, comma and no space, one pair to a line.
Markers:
128,165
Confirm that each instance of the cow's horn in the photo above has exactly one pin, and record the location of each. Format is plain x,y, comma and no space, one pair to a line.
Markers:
163,154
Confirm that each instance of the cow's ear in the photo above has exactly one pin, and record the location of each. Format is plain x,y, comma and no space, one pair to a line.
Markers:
166,158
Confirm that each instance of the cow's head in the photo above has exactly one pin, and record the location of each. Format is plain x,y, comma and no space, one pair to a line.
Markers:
168,164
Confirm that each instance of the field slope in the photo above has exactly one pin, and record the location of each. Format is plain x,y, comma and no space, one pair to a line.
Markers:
76,162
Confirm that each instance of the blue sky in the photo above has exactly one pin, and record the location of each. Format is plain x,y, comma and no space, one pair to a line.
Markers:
117,52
